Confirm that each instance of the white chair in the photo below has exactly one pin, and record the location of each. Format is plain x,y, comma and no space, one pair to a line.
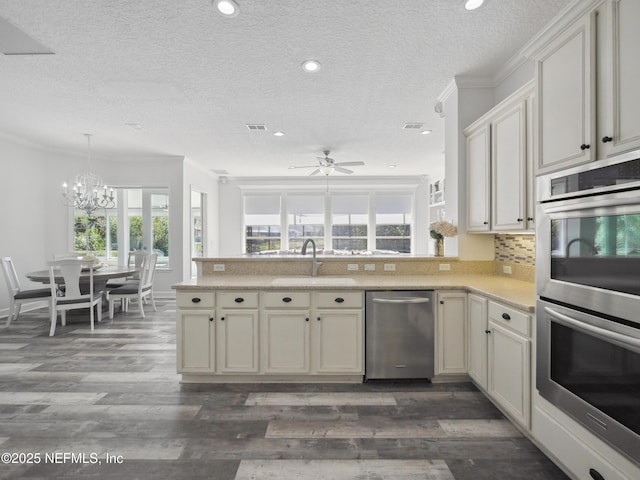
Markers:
136,257
140,290
18,296
72,298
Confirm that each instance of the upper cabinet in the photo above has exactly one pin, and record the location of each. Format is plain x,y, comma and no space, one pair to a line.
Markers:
499,179
586,73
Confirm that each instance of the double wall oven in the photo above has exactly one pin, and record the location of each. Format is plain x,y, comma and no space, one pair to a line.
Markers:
588,308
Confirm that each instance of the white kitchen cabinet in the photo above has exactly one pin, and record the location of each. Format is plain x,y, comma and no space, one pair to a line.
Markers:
478,141
509,167
237,341
195,332
337,333
565,78
509,361
451,333
499,171
285,341
477,339
618,69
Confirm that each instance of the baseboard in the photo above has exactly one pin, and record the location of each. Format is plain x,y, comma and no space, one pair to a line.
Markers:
26,307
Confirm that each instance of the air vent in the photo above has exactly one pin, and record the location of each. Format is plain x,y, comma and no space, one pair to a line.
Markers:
413,125
257,127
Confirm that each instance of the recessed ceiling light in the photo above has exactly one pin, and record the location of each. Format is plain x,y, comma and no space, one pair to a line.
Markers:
134,126
228,8
392,166
279,134
425,132
473,4
310,66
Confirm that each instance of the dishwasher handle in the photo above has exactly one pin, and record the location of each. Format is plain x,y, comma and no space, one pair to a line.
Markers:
404,300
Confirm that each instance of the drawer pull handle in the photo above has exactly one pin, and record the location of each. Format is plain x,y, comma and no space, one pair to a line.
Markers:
584,146
196,300
593,473
286,299
607,139
506,316
239,300
339,300
487,331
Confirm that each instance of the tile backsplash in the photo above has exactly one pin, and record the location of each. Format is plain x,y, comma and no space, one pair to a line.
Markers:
517,253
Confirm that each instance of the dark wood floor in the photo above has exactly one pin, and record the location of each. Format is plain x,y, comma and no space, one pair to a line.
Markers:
107,404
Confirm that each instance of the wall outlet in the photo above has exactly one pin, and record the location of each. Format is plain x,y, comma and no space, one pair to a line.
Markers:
444,266
352,267
218,267
370,267
389,267
506,269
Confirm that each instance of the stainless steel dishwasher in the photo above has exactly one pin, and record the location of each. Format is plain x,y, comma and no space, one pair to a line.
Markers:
399,334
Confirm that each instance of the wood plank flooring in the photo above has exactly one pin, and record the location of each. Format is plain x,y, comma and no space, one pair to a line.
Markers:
108,404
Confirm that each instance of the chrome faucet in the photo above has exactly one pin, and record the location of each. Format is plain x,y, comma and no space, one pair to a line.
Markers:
315,264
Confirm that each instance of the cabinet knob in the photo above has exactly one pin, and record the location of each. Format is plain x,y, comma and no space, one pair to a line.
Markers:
339,300
318,318
222,319
607,139
286,299
196,300
211,319
485,223
529,219
487,331
519,219
506,316
584,146
441,302
306,319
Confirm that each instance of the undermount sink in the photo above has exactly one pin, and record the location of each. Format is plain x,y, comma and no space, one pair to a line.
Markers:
330,281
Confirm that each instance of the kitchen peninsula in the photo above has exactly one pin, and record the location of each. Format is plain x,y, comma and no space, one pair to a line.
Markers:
268,320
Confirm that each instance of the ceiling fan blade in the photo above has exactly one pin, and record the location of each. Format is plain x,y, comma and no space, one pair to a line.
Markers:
302,166
343,170
347,164
315,172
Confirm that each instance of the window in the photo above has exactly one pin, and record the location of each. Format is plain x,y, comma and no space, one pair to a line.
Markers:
393,223
262,223
305,220
139,221
353,223
349,223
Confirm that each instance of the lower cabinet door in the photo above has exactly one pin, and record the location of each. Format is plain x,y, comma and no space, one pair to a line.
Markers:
509,365
285,341
337,341
237,341
477,342
195,338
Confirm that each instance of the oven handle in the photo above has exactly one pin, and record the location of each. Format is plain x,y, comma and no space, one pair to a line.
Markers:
601,332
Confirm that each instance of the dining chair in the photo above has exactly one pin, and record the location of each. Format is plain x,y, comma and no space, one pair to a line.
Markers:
141,289
18,296
72,297
136,257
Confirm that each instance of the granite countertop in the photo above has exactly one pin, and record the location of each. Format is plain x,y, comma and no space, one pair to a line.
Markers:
515,293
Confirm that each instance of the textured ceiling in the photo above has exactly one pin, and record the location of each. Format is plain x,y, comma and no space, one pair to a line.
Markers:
192,79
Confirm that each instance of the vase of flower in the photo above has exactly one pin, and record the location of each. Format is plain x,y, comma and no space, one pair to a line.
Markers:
439,230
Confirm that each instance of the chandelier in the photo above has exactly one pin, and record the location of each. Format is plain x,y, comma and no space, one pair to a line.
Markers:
88,192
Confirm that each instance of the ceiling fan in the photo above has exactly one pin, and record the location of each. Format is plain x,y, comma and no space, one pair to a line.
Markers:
327,165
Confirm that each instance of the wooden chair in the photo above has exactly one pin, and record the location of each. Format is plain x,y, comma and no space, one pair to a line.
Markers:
72,297
141,289
18,296
136,257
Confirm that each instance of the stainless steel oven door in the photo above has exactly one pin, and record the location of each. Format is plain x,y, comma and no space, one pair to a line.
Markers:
589,367
588,253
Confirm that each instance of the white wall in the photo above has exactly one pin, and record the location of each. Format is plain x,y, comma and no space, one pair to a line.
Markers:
230,206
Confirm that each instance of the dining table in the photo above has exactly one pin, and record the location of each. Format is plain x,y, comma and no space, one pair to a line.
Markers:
101,275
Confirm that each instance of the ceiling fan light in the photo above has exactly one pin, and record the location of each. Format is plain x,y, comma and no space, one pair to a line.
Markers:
326,170
228,8
473,4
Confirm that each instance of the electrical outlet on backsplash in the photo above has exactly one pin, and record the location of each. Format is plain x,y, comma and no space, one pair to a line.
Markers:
517,252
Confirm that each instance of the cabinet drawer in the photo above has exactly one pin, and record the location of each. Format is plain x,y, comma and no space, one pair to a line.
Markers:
510,318
195,299
339,299
238,299
287,299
